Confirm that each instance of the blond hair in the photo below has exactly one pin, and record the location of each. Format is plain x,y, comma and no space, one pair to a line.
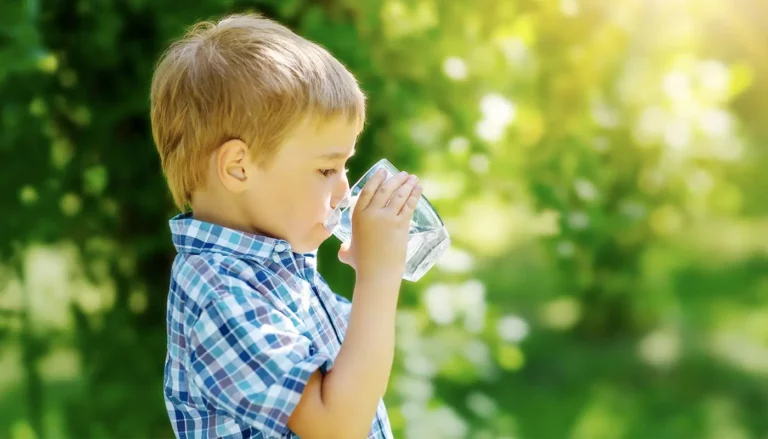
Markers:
243,77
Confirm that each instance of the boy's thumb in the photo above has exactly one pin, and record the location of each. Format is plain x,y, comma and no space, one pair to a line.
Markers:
345,253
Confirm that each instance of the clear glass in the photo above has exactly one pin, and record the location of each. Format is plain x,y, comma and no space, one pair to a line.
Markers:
428,236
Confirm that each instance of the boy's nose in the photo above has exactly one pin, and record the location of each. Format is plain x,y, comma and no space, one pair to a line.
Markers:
339,190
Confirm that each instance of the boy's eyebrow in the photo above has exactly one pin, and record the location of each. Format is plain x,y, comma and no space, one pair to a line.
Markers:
337,155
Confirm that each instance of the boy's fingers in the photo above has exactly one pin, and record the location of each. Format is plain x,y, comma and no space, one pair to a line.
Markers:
412,202
401,195
385,191
364,199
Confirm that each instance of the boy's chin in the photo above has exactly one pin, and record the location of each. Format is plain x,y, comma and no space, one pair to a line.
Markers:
323,236
315,239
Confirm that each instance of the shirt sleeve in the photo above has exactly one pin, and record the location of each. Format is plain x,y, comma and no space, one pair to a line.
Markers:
250,361
345,305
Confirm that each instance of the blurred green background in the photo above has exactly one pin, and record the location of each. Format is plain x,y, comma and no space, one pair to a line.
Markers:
601,165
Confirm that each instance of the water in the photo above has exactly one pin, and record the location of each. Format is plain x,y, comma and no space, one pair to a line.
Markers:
425,246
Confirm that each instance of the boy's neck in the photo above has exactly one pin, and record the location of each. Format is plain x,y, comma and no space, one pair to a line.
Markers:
224,215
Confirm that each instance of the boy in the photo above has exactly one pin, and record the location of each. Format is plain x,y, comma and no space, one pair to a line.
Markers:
254,125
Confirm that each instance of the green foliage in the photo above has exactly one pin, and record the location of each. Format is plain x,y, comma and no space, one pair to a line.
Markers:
600,166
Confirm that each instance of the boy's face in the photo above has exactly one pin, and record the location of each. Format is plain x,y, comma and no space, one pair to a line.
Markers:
305,180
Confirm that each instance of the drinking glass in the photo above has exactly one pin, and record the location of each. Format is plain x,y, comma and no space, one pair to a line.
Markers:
428,238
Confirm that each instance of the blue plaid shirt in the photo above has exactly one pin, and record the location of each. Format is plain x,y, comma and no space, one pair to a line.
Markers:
248,322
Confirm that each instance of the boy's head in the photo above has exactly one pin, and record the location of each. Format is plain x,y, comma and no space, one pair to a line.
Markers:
254,125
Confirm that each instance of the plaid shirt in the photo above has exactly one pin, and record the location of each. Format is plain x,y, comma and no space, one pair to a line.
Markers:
248,322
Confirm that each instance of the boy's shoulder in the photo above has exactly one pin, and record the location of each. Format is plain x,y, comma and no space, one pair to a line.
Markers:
214,262
209,276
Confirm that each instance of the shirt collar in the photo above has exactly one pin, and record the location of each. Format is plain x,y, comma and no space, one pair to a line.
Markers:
193,236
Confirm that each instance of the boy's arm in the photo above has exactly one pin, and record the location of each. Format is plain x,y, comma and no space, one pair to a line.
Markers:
342,404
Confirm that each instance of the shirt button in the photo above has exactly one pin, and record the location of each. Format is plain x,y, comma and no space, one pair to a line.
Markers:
279,247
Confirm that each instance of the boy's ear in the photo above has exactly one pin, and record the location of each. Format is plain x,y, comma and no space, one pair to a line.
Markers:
231,164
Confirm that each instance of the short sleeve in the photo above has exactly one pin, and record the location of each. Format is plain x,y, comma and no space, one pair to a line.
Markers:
250,361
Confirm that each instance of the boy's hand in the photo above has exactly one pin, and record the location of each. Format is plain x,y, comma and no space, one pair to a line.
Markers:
380,224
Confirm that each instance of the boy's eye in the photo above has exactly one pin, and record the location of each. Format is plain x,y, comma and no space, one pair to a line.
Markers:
329,172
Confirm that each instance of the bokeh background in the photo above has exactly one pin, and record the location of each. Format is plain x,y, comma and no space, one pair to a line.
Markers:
601,166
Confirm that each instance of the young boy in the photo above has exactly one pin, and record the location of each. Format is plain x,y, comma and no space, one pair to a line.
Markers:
254,125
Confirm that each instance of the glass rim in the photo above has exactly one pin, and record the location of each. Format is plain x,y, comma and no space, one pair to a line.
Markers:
369,173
